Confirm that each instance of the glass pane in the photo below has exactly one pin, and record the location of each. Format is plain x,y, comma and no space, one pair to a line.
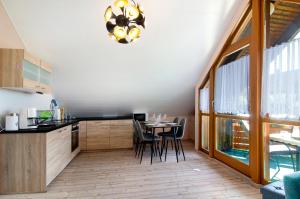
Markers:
30,71
205,132
233,138
235,56
45,77
245,31
282,22
281,150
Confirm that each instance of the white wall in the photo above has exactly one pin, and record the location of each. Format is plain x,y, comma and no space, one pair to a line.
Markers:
94,75
9,37
12,101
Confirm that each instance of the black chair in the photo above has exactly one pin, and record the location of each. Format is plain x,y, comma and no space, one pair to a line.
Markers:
147,138
136,138
176,120
166,137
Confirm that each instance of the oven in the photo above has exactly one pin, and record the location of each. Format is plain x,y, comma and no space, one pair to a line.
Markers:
75,136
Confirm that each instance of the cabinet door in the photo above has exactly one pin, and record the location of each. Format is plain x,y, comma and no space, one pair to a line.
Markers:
30,71
97,135
58,151
54,154
45,78
121,134
82,135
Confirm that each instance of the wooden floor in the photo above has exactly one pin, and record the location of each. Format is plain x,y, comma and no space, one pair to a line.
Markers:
117,174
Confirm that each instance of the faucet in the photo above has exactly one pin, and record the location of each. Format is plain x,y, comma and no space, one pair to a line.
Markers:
53,105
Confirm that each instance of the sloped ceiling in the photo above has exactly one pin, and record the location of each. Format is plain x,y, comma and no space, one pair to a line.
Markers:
94,75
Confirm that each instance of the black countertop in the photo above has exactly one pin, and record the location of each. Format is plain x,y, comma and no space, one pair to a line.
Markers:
63,123
121,117
45,129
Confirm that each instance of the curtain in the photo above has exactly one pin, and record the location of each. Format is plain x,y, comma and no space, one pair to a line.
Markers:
281,81
204,100
232,87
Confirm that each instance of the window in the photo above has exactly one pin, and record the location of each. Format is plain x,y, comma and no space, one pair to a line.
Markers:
281,90
205,132
232,84
233,138
232,107
204,108
282,150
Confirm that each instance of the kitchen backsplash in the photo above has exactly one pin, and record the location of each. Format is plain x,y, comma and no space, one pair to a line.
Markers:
12,101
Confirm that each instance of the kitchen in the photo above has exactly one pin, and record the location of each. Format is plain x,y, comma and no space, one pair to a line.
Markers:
87,113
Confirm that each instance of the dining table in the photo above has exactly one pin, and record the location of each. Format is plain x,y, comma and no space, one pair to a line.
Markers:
286,138
152,126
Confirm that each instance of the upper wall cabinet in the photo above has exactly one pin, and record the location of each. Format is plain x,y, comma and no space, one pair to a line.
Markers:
19,70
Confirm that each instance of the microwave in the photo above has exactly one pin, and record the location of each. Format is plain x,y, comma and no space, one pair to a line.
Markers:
140,116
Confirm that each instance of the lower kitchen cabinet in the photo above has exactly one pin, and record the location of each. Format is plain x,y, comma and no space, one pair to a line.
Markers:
30,161
108,134
58,152
97,135
82,135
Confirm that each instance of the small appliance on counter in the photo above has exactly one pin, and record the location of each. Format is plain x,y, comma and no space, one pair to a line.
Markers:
28,118
12,122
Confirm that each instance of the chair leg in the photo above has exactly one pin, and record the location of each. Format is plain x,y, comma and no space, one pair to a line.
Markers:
143,148
157,146
177,142
182,150
166,150
152,151
140,148
162,145
136,148
171,143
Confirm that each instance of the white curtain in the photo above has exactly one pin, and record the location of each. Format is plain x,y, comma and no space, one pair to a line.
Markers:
232,87
281,81
204,100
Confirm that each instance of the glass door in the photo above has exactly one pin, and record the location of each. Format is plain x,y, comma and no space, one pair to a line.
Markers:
204,117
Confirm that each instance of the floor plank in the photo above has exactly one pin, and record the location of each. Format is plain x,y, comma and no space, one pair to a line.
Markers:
117,174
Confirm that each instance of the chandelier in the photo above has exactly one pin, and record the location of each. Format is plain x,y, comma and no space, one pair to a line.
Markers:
124,26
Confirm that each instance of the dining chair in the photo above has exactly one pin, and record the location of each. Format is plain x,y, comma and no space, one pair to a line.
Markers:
147,138
176,119
136,138
178,138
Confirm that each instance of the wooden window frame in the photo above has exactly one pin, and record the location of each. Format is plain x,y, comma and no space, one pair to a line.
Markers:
256,40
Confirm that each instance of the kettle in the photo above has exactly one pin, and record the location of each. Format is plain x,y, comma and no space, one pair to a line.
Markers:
12,122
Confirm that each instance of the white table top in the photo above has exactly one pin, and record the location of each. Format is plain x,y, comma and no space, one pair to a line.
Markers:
285,138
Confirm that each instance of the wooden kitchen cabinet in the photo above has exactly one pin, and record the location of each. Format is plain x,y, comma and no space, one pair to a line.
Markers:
82,135
109,134
30,161
19,70
121,134
97,135
58,152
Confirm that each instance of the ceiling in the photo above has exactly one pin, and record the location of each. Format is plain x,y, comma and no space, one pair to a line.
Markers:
95,75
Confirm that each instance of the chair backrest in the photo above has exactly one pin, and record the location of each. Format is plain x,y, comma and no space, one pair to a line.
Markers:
181,129
140,130
135,129
176,119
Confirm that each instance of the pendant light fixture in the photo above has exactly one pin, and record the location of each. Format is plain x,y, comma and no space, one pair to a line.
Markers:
124,25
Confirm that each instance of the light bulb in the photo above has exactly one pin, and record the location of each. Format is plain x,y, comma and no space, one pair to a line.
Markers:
134,33
119,32
121,3
132,12
108,14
